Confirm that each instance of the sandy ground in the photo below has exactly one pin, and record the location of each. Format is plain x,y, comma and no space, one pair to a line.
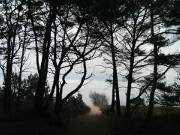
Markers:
89,124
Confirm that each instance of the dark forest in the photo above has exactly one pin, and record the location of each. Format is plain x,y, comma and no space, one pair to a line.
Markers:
62,35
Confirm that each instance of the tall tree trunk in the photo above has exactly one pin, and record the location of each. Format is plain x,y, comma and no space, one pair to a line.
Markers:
130,80
21,69
39,95
8,80
54,86
58,105
112,109
30,16
155,72
115,77
131,68
7,88
59,99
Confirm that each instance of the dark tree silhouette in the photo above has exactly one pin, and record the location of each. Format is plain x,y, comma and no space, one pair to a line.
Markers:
12,21
43,69
109,15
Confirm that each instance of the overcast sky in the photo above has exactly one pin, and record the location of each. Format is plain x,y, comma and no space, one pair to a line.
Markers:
97,82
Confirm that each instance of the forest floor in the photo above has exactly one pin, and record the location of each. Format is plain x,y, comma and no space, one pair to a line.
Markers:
31,124
88,124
